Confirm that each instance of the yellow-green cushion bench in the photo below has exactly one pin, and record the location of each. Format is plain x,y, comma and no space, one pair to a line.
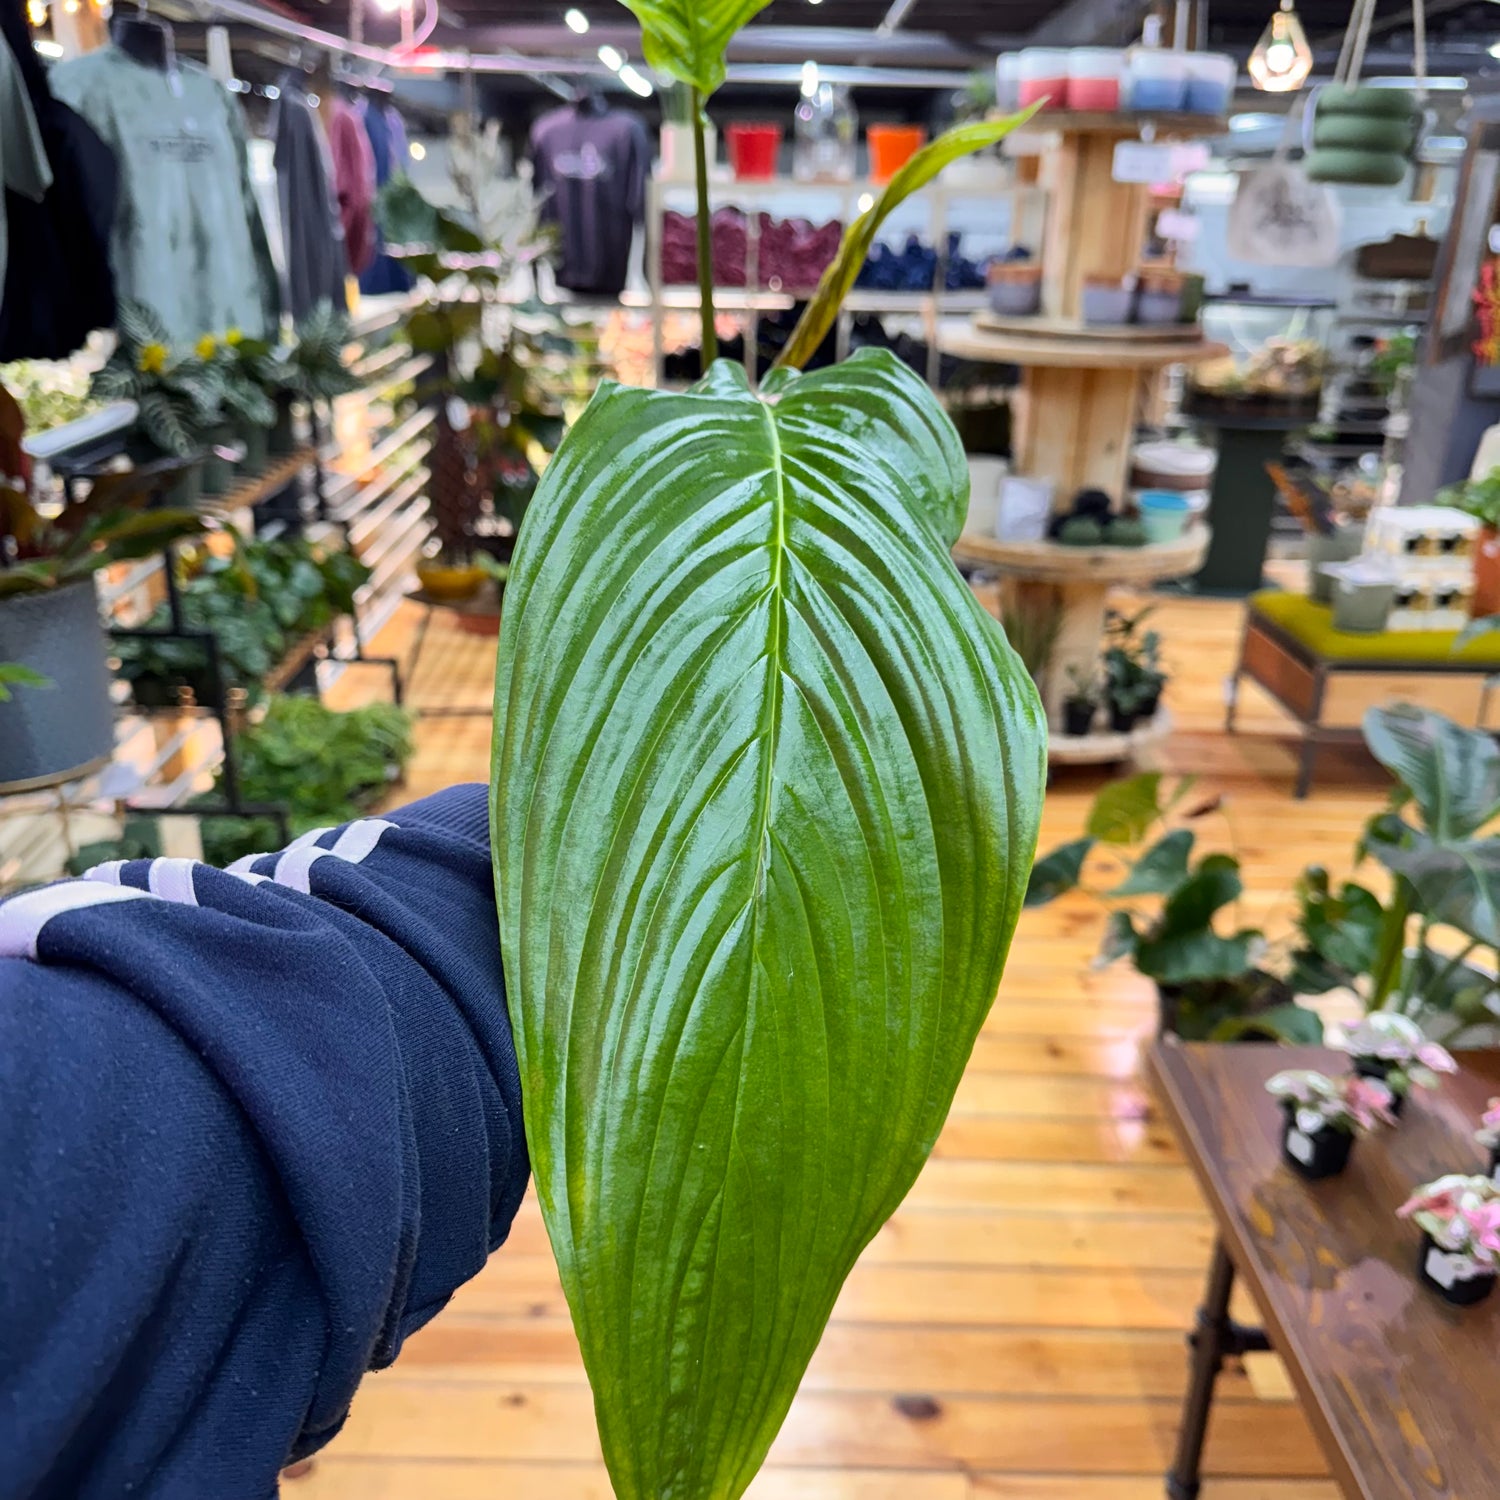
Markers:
1327,678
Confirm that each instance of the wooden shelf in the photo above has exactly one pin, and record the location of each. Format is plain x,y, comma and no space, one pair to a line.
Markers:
1126,122
1106,746
1074,351
254,488
1051,562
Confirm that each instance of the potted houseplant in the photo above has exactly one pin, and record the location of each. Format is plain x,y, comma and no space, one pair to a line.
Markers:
1488,1136
1392,1048
1480,498
1166,913
251,381
177,395
1132,669
490,420
49,619
1459,1217
729,614
1322,1116
313,370
1082,702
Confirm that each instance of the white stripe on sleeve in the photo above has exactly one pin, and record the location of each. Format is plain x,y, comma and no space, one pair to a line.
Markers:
172,880
23,917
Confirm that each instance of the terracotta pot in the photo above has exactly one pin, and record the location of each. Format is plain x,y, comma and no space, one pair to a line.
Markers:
1486,599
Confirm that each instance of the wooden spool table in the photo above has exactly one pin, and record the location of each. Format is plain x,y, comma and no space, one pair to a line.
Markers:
1074,581
1397,1385
1081,391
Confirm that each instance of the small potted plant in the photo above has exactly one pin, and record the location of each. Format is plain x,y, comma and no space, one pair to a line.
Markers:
1322,1115
177,395
1459,1218
312,370
1488,1136
250,379
1082,702
1393,1048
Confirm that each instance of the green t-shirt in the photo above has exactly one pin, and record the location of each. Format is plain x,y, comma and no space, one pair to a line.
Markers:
188,240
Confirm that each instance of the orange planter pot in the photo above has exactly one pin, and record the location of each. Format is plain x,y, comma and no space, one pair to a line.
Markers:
1486,574
891,147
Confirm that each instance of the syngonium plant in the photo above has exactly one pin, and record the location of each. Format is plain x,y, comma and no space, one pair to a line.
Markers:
766,789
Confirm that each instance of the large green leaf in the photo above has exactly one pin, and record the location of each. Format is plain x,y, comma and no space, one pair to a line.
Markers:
766,790
1452,773
1457,884
686,39
838,280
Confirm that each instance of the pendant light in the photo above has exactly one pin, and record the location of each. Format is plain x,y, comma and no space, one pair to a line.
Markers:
1282,59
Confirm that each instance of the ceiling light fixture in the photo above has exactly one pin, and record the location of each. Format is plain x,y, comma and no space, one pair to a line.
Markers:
388,7
36,12
417,151
577,21
612,58
809,79
1495,50
1282,59
636,81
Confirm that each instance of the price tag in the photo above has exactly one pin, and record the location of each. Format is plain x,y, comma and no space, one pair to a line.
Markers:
1173,224
1142,161
1299,1146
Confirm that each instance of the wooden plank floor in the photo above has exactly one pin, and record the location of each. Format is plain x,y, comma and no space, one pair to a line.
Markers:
1016,1331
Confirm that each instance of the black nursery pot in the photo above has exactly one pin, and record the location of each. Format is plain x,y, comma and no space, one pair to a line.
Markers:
1374,1067
1431,1261
1495,1164
1121,720
1078,716
1324,1153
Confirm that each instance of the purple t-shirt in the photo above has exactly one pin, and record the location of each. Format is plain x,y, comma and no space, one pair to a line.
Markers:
592,167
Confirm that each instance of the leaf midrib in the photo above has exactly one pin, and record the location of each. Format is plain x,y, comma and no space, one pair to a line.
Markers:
771,722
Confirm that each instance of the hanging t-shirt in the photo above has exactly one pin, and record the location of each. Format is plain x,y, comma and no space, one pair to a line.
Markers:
188,240
23,158
312,235
354,181
592,166
388,145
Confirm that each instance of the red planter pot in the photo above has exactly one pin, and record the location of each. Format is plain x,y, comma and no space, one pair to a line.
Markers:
1486,574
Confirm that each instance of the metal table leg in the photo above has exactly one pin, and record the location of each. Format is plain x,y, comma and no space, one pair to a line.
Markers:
1216,1336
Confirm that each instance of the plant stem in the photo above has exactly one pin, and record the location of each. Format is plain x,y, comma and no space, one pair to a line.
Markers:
1450,968
710,338
1388,956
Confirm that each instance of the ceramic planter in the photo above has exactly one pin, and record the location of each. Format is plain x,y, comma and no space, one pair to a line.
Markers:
1314,1154
1375,1067
449,585
1486,573
1338,545
1362,608
1452,1276
50,733
1078,716
1106,302
1015,291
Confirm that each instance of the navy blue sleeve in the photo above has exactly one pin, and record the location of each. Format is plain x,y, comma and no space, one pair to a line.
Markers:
256,1126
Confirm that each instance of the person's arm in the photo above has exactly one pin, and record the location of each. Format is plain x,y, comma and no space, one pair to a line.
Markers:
256,1126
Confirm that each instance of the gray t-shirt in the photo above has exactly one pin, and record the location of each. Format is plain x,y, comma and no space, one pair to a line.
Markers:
188,240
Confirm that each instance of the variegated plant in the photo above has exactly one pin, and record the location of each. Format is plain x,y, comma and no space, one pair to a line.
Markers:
765,796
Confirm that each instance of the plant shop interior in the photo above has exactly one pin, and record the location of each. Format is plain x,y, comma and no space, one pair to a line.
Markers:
1157,338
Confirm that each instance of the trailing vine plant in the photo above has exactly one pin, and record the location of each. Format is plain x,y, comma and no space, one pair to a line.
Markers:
765,796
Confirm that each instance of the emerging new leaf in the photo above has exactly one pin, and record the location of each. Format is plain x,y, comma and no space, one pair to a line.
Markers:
686,39
766,790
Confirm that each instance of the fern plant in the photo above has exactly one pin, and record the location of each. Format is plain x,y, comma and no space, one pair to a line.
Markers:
179,395
314,368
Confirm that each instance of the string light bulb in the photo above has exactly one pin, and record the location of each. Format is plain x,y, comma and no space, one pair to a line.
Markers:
36,13
1282,59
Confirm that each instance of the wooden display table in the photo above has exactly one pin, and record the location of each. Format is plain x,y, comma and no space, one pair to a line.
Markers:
1397,1385
1326,678
1047,578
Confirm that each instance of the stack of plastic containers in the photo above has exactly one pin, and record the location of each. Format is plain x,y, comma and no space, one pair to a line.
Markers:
1103,80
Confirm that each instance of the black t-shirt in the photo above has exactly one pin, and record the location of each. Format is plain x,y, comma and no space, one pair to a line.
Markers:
592,166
